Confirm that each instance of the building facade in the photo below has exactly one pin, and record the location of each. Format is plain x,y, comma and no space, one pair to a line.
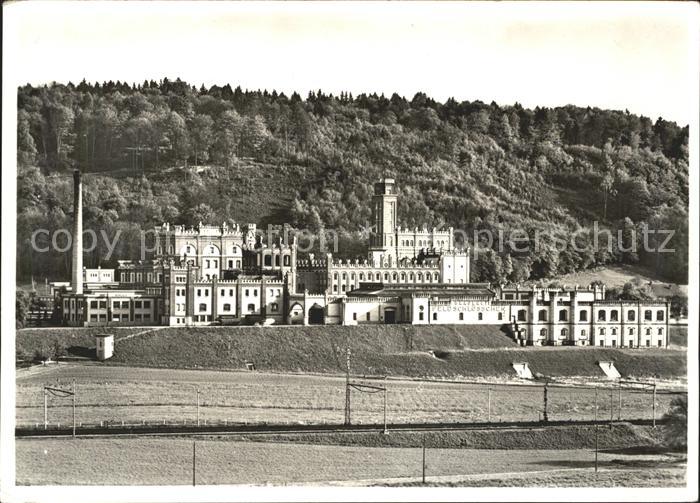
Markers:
227,275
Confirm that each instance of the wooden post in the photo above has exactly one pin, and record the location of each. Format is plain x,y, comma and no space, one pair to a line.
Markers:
611,407
424,459
46,410
619,400
73,408
385,425
596,448
546,418
197,406
653,405
596,405
489,406
194,463
347,383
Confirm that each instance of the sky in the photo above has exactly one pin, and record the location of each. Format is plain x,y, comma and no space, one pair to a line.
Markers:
636,56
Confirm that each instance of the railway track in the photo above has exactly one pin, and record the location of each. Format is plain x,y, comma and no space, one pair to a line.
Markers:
268,429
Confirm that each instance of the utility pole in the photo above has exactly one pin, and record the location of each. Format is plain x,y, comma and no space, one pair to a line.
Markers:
73,408
545,404
596,404
611,407
347,383
596,448
424,459
619,400
489,406
46,410
653,405
194,462
385,425
197,406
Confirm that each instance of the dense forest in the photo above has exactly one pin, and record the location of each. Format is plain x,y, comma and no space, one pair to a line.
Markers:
167,151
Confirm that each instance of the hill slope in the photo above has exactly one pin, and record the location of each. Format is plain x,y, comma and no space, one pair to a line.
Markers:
444,351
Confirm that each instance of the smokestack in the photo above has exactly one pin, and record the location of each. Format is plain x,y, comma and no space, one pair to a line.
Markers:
77,271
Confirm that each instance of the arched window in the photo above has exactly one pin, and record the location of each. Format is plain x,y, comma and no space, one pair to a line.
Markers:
602,331
428,277
335,275
420,276
543,332
542,315
613,315
601,315
563,315
659,316
377,277
362,276
386,276
631,315
521,315
647,315
583,316
564,332
403,276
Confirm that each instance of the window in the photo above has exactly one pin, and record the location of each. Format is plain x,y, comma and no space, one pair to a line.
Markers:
230,292
648,331
613,315
420,316
480,316
500,316
277,260
661,331
274,307
583,316
103,304
202,307
251,308
613,331
208,263
115,305
268,260
564,332
206,292
345,276
434,316
146,304
335,275
255,292
342,287
648,343
647,315
199,292
125,304
93,317
543,332
394,276
602,331
287,260
563,315
601,342
238,264
227,307
601,315
521,315
461,316
247,292
631,331
354,316
613,343
583,333
230,264
368,316
631,315
659,316
542,315
223,292
386,276
335,288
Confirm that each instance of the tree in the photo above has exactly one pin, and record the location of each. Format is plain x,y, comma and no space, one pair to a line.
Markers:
676,423
202,134
23,302
227,137
606,186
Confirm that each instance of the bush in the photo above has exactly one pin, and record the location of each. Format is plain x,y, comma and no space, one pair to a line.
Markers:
676,427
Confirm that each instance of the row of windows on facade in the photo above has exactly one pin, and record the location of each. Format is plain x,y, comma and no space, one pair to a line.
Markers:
124,304
394,276
122,317
602,331
273,292
274,307
543,314
421,243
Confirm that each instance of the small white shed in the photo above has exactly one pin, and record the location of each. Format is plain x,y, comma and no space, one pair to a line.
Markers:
104,346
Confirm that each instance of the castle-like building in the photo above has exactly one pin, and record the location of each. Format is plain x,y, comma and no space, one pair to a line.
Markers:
228,275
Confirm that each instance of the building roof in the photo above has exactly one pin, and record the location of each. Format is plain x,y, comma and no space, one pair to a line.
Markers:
431,289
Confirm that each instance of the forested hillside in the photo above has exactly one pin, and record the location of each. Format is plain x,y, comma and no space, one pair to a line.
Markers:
168,151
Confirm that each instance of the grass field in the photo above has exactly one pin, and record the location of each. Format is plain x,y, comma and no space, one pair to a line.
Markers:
611,275
140,394
380,350
618,436
31,343
149,460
